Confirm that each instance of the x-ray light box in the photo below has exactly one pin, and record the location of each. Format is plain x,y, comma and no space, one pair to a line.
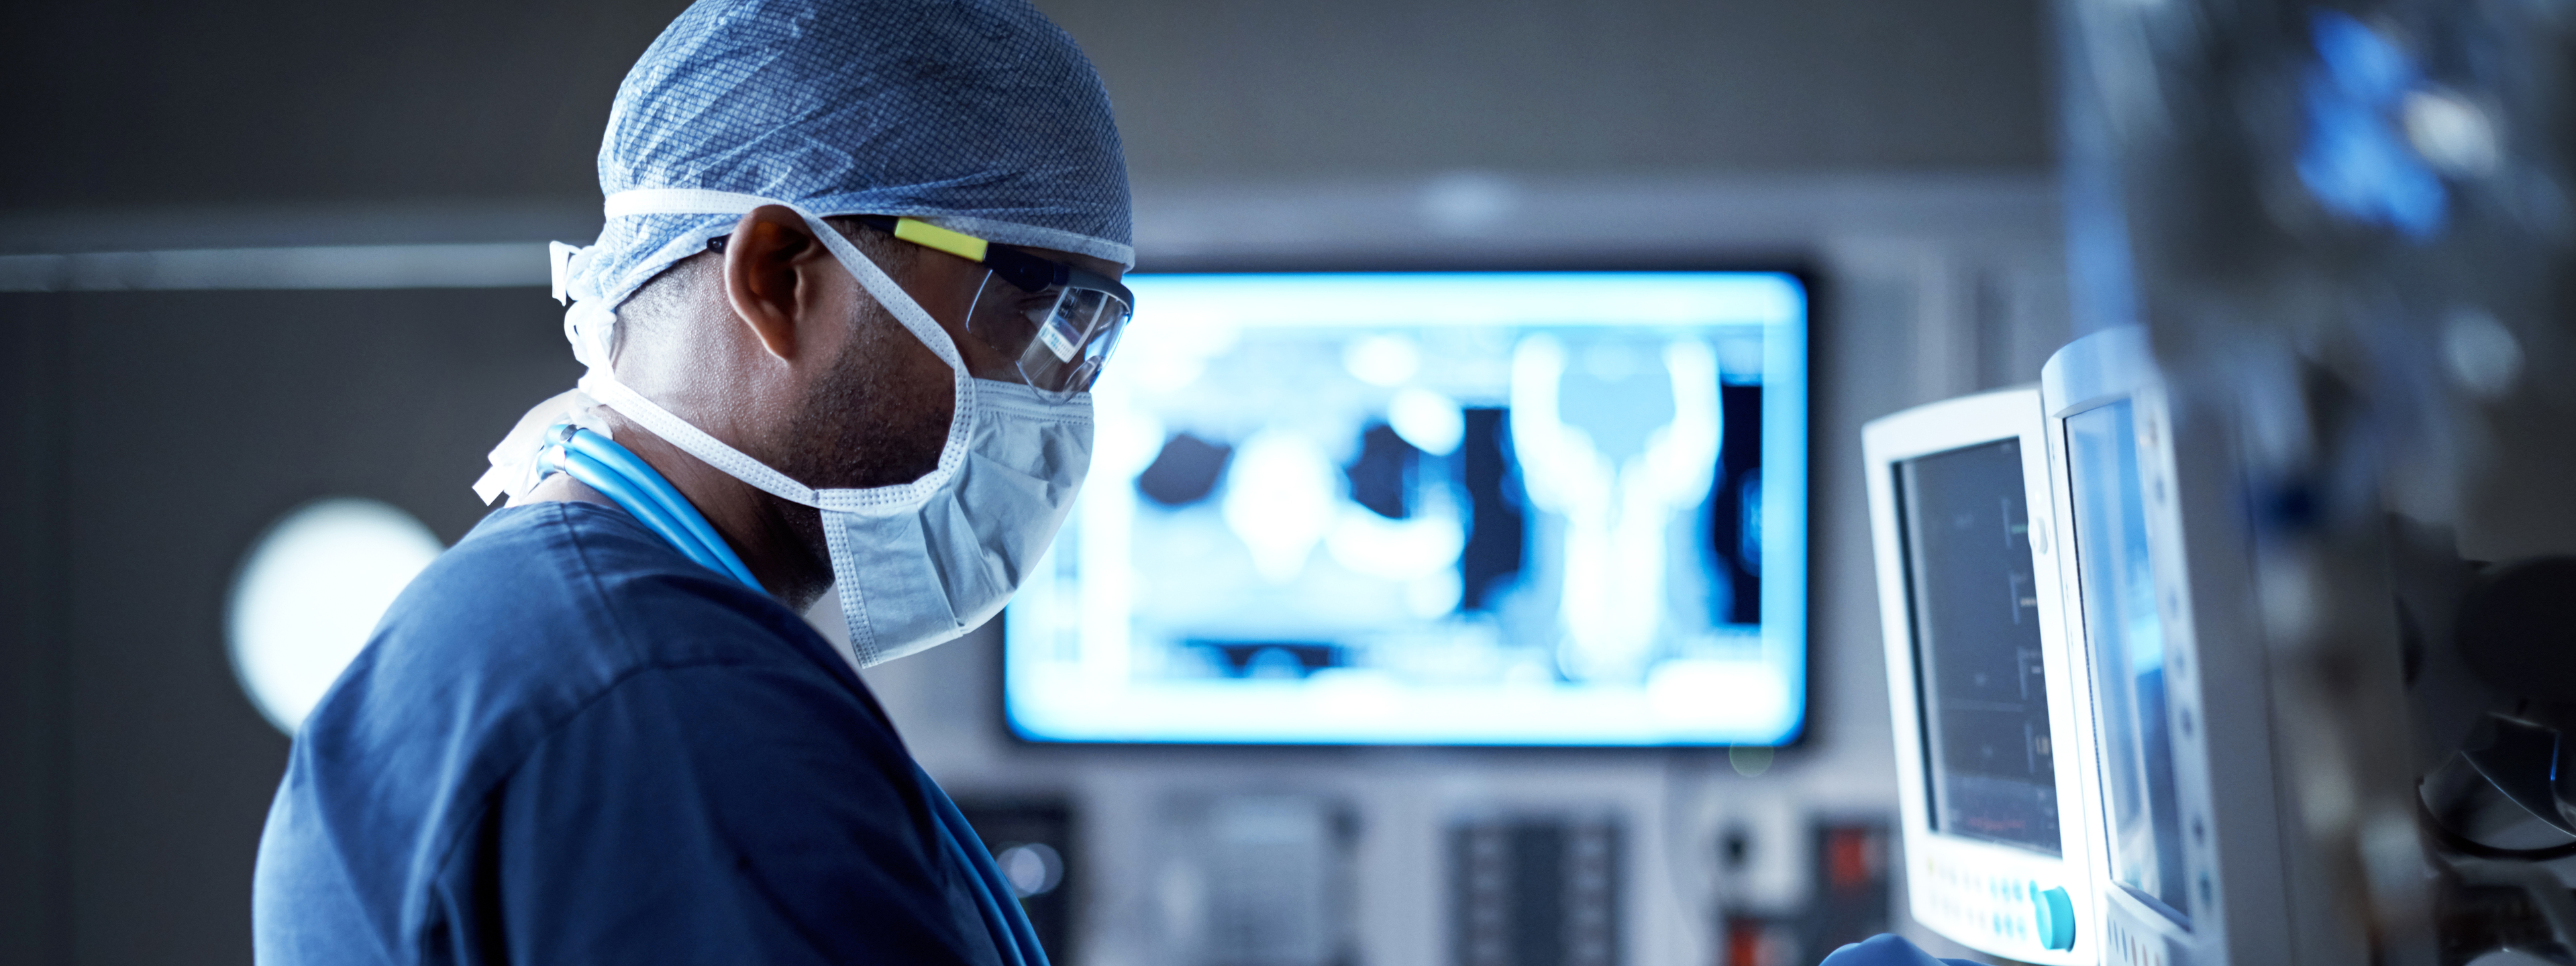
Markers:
1471,508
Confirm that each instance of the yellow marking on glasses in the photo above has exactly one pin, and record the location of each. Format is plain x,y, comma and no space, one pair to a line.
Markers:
928,235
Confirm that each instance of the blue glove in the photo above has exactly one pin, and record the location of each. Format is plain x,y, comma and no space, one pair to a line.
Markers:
1888,949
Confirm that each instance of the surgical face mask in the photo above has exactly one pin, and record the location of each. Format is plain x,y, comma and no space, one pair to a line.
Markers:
916,564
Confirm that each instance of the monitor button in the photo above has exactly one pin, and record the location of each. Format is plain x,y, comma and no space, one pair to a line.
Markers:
2053,912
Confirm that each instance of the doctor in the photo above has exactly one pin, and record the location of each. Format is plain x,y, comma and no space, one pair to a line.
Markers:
860,265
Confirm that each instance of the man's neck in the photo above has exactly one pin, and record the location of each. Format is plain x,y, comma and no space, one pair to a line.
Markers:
561,488
771,535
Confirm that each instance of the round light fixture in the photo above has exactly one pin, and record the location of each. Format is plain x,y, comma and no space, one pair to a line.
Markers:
1033,868
310,592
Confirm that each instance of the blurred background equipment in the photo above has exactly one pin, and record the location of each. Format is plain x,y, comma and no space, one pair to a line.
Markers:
1032,838
257,256
1530,890
1843,894
2345,231
1981,679
1255,879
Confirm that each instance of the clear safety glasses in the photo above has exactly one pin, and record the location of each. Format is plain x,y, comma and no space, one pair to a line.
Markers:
1050,324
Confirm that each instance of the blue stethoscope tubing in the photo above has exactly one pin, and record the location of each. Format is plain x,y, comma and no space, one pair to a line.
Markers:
616,472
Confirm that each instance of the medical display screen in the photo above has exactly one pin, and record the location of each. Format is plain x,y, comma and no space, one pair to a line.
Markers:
1972,591
1433,509
2117,575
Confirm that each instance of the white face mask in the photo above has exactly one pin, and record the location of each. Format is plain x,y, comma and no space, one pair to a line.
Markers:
916,564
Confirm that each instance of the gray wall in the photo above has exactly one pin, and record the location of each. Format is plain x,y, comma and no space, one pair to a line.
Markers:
179,425
125,103
1897,147
1241,88
132,103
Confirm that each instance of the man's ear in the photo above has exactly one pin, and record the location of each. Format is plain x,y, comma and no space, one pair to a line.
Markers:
769,275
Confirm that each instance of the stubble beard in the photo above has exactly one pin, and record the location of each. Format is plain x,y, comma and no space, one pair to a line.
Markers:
864,424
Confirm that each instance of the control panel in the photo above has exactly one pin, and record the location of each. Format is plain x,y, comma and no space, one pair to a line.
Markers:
2005,909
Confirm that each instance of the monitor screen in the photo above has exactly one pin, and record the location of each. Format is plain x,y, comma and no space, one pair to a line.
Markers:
1487,508
1973,600
2116,573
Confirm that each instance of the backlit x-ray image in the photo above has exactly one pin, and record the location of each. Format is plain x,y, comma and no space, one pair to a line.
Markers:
1452,508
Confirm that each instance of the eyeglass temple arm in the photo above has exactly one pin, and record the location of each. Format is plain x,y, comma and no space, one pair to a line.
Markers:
1027,271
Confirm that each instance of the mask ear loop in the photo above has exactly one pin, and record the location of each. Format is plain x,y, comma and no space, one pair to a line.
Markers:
875,501
889,294
961,416
879,285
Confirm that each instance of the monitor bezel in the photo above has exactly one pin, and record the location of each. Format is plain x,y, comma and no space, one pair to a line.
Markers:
1816,299
1932,429
2232,854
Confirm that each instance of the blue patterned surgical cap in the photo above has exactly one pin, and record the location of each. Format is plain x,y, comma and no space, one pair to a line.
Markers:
976,115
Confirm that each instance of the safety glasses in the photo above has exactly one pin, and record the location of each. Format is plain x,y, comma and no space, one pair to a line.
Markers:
1052,323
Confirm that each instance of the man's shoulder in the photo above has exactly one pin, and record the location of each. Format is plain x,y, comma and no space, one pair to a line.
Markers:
547,627
541,609
536,615
585,583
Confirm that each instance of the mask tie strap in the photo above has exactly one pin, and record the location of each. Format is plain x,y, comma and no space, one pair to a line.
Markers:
695,441
566,261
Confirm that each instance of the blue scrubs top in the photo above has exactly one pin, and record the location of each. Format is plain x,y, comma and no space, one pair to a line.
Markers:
567,744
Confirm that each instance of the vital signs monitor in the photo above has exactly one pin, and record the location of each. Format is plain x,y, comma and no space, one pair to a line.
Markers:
2173,704
1998,855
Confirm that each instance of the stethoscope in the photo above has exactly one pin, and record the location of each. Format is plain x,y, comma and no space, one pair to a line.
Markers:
616,472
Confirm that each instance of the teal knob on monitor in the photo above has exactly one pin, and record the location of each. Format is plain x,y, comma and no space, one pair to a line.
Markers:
2054,913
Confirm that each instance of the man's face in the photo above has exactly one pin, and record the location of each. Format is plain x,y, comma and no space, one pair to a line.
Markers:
880,416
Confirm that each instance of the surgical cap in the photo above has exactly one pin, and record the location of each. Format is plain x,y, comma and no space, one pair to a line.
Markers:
975,115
